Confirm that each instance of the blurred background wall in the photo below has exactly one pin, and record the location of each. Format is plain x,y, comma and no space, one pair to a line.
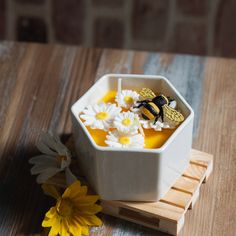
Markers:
204,27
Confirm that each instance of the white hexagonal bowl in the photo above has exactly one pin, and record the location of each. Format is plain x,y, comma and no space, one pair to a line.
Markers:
131,174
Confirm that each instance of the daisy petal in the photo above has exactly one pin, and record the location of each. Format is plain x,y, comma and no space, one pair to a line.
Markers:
47,139
127,98
45,175
58,180
45,149
70,178
59,146
50,160
39,168
127,122
117,139
65,163
100,116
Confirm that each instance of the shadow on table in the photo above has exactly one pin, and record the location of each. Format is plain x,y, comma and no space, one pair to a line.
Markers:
22,202
117,227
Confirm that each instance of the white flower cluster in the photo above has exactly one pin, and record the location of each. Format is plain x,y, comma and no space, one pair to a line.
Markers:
126,125
107,116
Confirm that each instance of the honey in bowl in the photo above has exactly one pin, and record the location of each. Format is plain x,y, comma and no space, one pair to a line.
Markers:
152,139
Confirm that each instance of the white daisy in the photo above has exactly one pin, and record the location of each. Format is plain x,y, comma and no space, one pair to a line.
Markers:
158,126
100,116
149,124
116,139
54,159
127,122
127,98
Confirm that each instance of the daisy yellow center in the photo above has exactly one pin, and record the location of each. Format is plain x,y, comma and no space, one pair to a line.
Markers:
61,158
124,140
128,99
102,115
127,121
65,207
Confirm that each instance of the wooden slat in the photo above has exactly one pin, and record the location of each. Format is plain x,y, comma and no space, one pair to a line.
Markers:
200,158
195,197
195,172
160,209
149,219
177,198
186,185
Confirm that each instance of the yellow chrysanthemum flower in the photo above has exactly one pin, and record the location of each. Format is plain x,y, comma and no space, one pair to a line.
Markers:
74,211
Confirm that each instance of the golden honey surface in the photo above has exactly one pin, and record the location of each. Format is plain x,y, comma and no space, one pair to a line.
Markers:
153,139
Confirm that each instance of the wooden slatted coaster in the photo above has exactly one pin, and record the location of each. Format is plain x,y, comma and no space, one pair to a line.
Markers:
167,215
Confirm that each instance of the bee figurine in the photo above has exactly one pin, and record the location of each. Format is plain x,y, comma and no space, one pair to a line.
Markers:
154,107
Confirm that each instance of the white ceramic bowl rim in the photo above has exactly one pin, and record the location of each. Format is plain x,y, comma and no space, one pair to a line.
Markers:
156,150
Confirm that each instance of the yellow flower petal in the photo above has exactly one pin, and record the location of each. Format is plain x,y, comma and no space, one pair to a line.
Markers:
52,233
75,190
51,213
86,200
75,228
76,193
73,213
51,191
48,222
85,230
90,209
79,220
55,230
64,230
91,220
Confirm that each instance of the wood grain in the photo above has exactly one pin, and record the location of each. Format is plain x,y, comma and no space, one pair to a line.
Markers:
39,83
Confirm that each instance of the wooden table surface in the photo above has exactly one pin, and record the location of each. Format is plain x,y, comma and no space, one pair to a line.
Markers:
38,85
